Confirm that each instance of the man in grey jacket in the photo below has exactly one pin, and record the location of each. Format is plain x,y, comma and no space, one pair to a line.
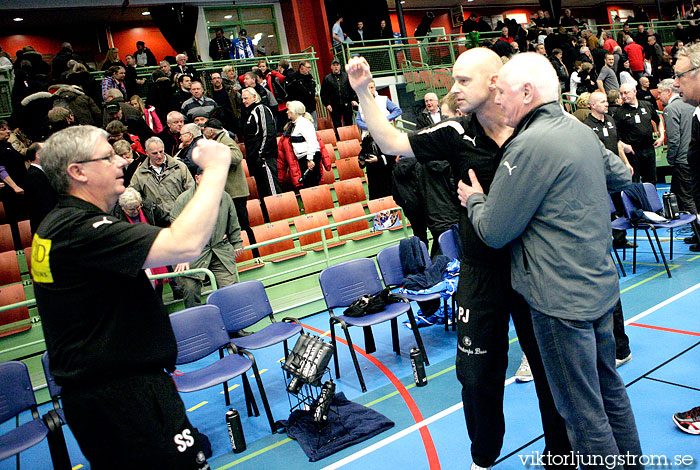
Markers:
549,201
678,118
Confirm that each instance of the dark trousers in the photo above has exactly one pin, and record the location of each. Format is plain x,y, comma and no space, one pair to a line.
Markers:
579,359
313,177
622,342
685,187
484,302
419,226
136,421
342,116
644,163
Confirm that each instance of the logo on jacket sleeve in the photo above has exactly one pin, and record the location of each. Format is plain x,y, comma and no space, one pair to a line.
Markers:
510,168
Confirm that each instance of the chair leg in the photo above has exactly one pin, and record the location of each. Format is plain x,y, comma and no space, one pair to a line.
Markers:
619,262
263,396
370,345
653,250
395,336
670,245
661,251
353,354
335,349
227,398
634,253
286,355
417,336
250,403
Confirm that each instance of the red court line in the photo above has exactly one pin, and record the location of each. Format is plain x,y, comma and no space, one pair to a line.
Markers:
670,330
430,450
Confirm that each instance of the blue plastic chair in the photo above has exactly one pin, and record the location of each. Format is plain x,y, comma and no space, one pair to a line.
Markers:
246,303
55,419
54,388
17,396
619,223
656,205
448,244
344,282
200,331
392,272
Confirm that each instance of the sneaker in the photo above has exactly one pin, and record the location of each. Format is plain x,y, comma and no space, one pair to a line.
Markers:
690,240
688,421
624,360
694,248
523,374
476,467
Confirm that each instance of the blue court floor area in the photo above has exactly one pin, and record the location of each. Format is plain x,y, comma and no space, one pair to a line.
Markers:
663,324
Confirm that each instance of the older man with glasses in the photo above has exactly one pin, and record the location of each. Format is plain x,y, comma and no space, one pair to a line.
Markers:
110,343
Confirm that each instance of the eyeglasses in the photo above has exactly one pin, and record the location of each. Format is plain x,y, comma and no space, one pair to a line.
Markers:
677,76
109,158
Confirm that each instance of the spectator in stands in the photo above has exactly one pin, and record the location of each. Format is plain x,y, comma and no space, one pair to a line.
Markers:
60,62
161,177
229,100
635,53
431,114
305,146
242,46
143,55
678,119
358,35
170,136
184,82
585,55
337,34
250,80
98,289
82,106
118,131
540,49
80,76
388,107
148,114
12,173
190,135
59,119
197,102
644,92
236,184
230,77
378,166
114,78
40,197
259,136
654,53
133,120
218,255
634,124
609,44
160,94
560,68
273,82
567,20
131,80
302,87
133,158
284,67
337,96
575,78
624,72
219,46
112,59
640,37
607,79
386,33
582,109
184,68
166,69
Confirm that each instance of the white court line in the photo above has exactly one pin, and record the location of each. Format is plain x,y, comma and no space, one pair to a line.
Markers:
400,434
453,408
662,304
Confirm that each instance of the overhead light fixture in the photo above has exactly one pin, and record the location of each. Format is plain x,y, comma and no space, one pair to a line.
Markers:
403,1
146,13
18,19
270,35
228,17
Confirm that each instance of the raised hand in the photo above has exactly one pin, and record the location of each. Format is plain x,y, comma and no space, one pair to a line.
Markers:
358,74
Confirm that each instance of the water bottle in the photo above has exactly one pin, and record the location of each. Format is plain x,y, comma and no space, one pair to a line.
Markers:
235,431
418,368
324,402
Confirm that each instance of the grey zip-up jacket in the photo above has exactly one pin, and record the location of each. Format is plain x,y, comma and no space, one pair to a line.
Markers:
549,200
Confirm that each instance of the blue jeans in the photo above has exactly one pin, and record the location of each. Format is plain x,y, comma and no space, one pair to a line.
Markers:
579,360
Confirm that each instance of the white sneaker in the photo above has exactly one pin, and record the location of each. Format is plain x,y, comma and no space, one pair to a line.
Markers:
624,360
476,467
523,374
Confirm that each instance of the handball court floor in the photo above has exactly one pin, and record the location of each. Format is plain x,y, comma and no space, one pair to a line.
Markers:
662,322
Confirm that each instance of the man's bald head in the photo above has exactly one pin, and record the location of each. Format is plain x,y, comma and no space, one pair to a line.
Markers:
480,59
474,75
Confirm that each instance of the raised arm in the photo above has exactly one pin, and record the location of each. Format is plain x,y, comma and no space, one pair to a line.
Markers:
390,140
